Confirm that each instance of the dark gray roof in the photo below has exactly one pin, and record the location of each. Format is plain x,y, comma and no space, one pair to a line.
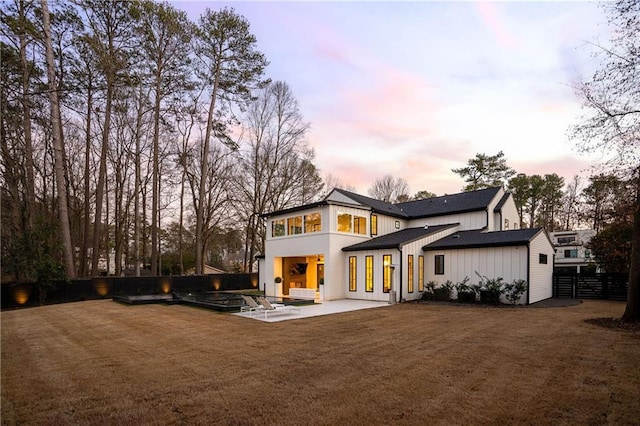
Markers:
397,239
476,238
376,205
450,204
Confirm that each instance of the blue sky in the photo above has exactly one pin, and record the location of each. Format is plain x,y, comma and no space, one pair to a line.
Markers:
414,89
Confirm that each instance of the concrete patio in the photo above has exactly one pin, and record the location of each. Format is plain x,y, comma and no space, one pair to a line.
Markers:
317,309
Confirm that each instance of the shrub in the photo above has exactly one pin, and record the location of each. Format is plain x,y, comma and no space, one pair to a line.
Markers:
443,293
515,290
429,291
490,289
466,292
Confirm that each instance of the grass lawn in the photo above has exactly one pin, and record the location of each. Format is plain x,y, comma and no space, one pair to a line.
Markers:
100,362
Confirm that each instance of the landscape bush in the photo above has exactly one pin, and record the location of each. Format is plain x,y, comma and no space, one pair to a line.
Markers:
490,289
443,292
429,291
466,293
515,290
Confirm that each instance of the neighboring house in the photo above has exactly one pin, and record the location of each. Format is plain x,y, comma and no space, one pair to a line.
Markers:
572,254
355,247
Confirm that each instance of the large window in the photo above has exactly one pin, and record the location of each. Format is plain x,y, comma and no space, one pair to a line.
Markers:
410,273
571,253
368,264
360,225
566,240
277,228
294,225
387,273
374,224
353,267
312,223
439,264
420,273
344,222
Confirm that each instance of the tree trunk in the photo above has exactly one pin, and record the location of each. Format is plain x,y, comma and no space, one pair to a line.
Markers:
87,195
632,311
26,120
56,121
200,243
155,203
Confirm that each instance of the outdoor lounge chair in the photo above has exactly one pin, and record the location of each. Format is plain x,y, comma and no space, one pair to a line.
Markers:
270,307
251,305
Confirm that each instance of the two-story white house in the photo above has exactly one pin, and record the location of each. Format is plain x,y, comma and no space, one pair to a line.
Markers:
572,252
355,247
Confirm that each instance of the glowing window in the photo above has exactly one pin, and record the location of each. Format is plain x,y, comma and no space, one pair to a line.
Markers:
374,224
353,264
360,225
368,262
344,222
386,273
420,273
312,222
294,224
410,273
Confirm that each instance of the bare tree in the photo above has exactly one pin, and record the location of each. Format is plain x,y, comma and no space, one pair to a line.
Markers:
58,142
390,189
229,65
611,124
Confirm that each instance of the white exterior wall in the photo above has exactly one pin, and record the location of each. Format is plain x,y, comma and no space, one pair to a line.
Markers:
467,221
415,248
540,275
508,212
510,263
387,224
377,293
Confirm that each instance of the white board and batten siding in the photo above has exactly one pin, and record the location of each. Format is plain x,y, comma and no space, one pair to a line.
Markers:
510,263
415,248
540,274
467,221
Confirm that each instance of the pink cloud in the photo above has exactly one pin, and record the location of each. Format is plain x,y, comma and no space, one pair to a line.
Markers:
490,16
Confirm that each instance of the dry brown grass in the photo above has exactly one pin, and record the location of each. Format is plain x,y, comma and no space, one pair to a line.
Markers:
101,362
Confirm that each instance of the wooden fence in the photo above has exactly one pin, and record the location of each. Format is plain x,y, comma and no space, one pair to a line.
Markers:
591,286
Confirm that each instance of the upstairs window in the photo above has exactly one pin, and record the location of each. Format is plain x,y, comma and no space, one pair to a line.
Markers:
277,228
506,224
360,225
542,258
344,222
294,224
312,223
374,224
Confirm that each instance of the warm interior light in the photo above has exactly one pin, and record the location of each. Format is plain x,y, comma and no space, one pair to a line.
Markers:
166,286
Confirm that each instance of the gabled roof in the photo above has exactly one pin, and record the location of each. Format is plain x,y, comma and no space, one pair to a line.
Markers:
377,206
397,239
477,238
450,204
503,200
438,206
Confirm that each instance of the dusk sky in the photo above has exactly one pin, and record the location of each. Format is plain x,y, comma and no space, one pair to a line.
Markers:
414,89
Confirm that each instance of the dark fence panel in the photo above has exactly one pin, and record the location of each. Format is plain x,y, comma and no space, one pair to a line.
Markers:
29,294
591,286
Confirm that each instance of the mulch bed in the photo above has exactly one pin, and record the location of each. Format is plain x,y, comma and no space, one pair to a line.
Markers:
615,324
